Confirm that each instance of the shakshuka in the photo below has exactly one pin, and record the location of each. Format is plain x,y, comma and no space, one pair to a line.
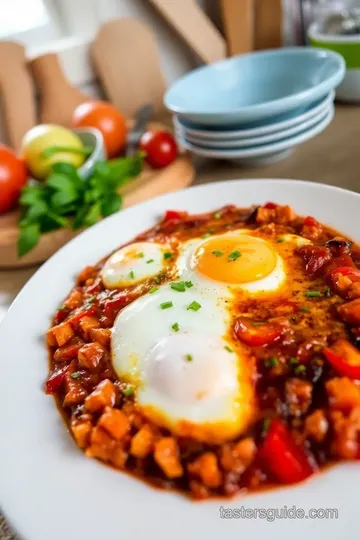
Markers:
215,353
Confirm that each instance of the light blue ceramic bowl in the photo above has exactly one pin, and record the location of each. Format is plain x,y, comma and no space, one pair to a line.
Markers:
256,86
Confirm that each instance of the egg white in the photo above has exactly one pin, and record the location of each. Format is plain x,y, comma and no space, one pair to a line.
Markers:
123,271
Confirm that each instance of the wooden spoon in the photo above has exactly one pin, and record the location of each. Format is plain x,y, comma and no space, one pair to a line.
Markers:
58,98
126,59
18,99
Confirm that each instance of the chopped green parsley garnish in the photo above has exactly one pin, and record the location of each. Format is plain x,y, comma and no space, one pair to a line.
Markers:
272,362
194,306
234,256
178,286
227,348
188,358
91,300
140,255
189,284
266,424
131,274
305,309
313,294
327,292
300,369
157,280
166,305
217,215
175,327
258,323
149,261
128,391
76,375
293,360
217,253
206,235
167,255
280,239
153,290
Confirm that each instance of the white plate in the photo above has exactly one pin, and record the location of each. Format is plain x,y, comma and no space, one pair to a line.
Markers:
261,150
254,141
50,491
291,119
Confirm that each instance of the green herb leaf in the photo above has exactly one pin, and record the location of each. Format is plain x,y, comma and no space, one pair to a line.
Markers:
178,286
128,391
92,215
140,255
189,284
111,204
91,299
188,357
76,375
227,348
217,253
305,309
65,168
132,274
175,327
313,294
168,255
272,362
166,305
194,306
300,370
31,195
234,256
149,261
28,238
153,290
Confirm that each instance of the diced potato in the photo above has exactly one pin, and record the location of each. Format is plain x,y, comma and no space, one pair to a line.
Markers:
103,396
207,469
74,300
343,393
115,422
87,323
90,356
350,312
101,335
316,426
81,432
166,455
63,332
142,443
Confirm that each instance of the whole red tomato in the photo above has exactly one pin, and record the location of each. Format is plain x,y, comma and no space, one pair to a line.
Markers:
13,176
160,147
107,119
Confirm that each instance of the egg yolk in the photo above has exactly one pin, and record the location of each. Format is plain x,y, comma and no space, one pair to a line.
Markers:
235,259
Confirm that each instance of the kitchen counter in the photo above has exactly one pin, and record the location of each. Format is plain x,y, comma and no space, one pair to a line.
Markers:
331,158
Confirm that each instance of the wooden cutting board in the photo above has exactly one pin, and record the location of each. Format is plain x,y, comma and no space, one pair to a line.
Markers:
149,184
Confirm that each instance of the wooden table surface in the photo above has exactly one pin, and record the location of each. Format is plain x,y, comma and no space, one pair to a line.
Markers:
331,158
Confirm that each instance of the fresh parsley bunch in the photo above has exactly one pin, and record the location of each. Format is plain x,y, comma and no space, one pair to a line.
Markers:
65,200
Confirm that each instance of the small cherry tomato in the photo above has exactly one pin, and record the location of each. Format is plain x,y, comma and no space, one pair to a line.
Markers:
160,147
107,119
13,176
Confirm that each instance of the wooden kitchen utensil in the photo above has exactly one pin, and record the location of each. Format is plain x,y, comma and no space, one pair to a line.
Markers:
151,183
17,93
194,27
268,24
127,62
58,98
238,18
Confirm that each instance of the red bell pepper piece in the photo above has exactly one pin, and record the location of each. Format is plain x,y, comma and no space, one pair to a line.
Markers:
56,380
309,221
344,358
257,336
281,456
82,312
270,206
349,271
174,215
113,305
314,256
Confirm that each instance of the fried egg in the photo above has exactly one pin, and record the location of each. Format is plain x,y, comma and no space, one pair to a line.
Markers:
134,263
187,376
174,345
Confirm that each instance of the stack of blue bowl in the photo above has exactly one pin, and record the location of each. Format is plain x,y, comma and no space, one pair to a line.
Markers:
257,107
